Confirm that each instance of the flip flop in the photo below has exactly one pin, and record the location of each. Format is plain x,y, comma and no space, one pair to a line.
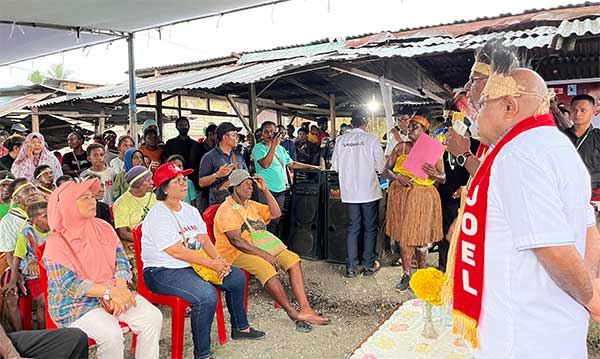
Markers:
303,327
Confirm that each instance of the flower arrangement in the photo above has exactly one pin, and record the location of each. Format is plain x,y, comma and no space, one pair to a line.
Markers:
427,285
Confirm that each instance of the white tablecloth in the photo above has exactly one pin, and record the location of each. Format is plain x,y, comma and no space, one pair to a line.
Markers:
400,336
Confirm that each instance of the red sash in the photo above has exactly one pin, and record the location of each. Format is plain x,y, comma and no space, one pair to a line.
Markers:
470,249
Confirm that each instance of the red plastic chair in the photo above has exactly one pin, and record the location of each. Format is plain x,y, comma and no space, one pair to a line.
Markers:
178,305
26,307
49,322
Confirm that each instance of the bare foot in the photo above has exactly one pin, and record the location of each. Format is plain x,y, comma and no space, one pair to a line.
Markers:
310,316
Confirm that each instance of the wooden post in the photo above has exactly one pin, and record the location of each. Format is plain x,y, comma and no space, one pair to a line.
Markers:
332,114
35,120
101,122
178,106
279,118
238,112
252,108
159,110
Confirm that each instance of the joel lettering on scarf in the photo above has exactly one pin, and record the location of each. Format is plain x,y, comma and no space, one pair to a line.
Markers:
470,250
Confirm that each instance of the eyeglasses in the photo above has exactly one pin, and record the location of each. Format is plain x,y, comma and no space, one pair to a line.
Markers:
180,181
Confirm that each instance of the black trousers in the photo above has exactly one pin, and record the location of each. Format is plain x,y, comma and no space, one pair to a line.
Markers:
64,343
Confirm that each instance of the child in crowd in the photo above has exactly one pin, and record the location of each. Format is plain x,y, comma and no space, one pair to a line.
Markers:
131,158
44,180
191,190
102,208
6,178
125,143
95,153
31,237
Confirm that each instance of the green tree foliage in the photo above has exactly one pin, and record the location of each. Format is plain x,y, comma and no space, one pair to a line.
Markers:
36,77
59,72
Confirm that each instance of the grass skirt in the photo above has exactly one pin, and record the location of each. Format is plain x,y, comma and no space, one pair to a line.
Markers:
414,214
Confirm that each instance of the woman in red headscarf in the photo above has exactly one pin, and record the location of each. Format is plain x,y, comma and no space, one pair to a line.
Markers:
88,274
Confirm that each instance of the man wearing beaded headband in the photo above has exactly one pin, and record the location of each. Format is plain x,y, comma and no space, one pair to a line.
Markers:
525,220
6,178
131,208
22,193
44,180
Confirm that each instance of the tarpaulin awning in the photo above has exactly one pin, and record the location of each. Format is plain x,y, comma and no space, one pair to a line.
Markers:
33,28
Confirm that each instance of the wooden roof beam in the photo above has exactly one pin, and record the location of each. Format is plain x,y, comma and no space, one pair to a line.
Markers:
307,88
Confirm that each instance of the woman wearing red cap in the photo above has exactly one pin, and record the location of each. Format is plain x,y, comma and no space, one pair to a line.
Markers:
173,233
414,212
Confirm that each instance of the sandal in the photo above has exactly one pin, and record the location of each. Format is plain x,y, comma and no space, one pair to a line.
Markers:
303,327
397,263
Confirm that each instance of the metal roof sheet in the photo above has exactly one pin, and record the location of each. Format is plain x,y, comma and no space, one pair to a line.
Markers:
579,27
261,71
280,54
201,79
541,36
9,104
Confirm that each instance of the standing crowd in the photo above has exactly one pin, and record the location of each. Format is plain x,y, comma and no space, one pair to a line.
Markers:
208,213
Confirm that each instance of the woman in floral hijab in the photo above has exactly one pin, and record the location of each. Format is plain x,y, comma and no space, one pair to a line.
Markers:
32,154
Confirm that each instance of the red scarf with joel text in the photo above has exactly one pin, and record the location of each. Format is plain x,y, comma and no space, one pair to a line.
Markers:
470,249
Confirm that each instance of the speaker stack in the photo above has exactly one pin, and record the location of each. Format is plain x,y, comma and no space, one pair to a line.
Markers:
336,218
306,218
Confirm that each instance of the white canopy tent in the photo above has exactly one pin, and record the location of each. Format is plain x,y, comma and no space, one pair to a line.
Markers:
33,28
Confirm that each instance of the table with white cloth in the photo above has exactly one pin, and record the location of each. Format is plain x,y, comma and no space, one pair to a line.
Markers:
400,336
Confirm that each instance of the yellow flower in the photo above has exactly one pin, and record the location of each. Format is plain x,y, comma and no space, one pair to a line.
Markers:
427,285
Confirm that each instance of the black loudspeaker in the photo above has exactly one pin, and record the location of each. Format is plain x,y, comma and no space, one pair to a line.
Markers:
305,223
336,218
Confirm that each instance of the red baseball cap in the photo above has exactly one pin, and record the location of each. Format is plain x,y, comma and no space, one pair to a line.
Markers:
168,171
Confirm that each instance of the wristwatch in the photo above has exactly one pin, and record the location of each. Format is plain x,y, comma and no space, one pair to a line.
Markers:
461,159
106,295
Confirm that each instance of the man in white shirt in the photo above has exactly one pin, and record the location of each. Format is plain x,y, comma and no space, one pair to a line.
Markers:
398,133
358,158
535,288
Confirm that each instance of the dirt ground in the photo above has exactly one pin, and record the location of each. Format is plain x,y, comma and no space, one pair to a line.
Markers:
356,307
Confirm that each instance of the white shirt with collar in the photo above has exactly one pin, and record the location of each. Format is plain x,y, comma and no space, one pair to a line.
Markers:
357,158
538,197
391,142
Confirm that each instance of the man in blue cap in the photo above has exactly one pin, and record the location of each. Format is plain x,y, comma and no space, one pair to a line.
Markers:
19,129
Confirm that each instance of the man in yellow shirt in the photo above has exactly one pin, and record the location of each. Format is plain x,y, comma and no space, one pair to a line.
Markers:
235,221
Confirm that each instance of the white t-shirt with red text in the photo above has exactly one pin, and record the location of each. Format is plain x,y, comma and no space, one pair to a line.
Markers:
163,228
107,177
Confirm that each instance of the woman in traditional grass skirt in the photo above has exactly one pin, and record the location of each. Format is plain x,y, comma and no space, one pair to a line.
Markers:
414,211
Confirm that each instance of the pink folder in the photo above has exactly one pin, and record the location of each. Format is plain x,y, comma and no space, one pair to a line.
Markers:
425,150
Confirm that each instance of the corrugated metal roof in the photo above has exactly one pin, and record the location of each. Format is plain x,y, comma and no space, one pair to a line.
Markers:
201,79
9,104
261,71
579,27
146,85
308,50
541,36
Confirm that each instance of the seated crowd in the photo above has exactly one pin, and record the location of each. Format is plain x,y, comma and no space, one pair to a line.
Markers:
80,215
